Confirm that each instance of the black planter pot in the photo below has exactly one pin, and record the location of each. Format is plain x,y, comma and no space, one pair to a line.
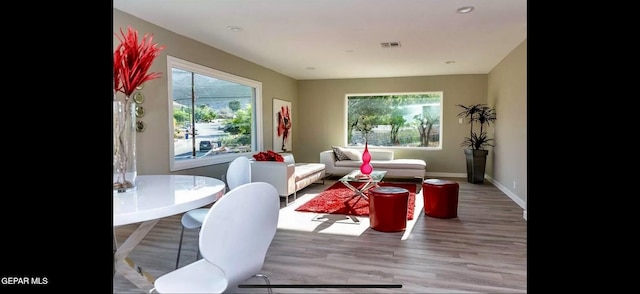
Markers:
476,162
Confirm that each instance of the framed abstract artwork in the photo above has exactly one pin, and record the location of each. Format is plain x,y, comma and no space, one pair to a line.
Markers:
282,125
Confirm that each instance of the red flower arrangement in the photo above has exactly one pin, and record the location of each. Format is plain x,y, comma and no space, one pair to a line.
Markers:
132,60
268,156
131,64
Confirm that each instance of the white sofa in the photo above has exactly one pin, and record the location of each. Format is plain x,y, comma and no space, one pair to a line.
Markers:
288,177
380,160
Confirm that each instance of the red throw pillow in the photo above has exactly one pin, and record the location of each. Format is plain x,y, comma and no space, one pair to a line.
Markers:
275,156
268,156
261,156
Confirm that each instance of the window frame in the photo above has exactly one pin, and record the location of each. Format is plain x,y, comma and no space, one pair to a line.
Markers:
256,114
346,121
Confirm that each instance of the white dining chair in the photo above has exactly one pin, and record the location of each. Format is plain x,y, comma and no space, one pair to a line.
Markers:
238,173
234,239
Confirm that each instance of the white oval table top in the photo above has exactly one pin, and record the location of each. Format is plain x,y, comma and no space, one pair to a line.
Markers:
158,196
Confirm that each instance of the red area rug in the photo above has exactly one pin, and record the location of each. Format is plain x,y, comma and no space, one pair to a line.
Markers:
337,200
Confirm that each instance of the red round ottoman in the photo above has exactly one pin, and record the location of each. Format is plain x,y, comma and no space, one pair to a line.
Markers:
440,198
388,208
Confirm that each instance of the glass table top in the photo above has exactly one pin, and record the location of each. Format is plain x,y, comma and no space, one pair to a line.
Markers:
356,176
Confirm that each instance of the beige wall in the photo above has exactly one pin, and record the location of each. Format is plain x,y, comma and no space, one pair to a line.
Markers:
318,110
507,93
153,143
324,124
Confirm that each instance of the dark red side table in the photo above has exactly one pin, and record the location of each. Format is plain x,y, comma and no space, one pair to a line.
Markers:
440,198
388,208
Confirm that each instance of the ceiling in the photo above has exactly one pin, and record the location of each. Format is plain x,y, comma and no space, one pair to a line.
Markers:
339,39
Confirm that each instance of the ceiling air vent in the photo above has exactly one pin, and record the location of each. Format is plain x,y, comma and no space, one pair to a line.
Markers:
390,44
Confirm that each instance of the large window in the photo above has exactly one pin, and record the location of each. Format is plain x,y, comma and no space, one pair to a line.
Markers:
213,116
405,120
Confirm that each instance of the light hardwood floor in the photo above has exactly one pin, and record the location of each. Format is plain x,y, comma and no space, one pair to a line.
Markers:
483,250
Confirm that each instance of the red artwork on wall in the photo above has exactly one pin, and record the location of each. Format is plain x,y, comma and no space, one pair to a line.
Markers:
283,124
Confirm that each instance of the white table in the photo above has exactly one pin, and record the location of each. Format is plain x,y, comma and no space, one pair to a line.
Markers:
156,197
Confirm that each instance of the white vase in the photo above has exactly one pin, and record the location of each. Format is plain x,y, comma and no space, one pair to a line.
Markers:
124,146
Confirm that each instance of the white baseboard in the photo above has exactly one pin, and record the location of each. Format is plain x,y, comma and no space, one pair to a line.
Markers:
511,195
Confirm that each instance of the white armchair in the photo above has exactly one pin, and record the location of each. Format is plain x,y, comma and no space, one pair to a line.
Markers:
280,174
287,177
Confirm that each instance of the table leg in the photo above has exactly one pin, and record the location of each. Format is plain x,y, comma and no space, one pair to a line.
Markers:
360,191
368,186
127,267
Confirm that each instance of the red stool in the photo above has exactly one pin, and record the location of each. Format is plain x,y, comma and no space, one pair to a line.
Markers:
440,198
388,208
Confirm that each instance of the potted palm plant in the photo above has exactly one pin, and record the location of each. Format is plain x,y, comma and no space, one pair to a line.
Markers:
478,116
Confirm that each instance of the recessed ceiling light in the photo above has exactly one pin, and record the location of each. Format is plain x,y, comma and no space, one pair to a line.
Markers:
234,28
465,9
450,62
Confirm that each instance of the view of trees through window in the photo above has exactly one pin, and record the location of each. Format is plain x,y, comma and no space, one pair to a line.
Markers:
211,116
395,119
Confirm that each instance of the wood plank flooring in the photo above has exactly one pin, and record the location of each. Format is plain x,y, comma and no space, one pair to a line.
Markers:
483,250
